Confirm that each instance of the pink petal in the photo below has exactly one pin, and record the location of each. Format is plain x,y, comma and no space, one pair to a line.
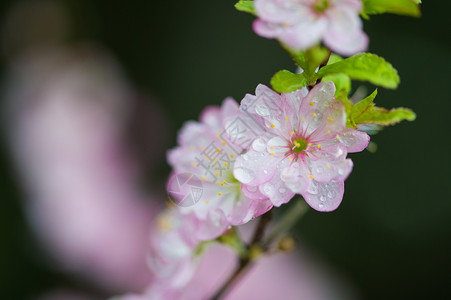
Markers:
254,167
315,105
304,34
345,35
324,196
296,177
355,140
280,11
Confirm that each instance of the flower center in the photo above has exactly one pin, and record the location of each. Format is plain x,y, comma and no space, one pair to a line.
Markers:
321,5
299,145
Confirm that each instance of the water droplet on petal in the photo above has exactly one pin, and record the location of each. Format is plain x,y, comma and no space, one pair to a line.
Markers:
268,189
259,145
244,175
322,198
341,171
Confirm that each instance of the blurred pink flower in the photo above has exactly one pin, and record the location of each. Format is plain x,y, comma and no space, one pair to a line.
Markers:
303,149
68,115
289,276
302,24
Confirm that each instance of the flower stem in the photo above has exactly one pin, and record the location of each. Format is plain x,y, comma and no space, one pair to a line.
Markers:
247,259
260,245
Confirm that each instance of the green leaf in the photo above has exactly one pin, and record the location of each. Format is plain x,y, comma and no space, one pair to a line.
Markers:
246,6
400,7
364,67
284,81
362,106
309,60
342,82
382,116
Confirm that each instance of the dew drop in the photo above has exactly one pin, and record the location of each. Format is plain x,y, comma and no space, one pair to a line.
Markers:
321,205
259,145
341,171
244,175
268,189
322,198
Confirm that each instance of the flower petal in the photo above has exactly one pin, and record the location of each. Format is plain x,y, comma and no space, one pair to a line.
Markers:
354,140
345,35
325,196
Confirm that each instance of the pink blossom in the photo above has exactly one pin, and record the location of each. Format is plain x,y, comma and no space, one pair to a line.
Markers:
302,24
67,114
304,148
207,152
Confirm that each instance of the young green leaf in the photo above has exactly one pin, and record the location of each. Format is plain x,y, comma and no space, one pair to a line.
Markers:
284,81
362,106
342,82
246,6
382,116
365,67
400,7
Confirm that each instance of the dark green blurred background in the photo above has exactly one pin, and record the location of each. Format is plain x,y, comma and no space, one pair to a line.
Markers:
391,237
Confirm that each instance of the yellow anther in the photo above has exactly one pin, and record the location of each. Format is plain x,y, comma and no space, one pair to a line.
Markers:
193,164
311,176
328,166
302,119
272,153
231,155
314,114
218,183
218,150
214,159
219,193
272,125
297,144
292,132
272,147
218,136
290,159
201,148
203,178
225,164
217,173
224,143
224,181
309,144
319,146
311,103
330,120
328,131
286,118
337,137
308,172
207,201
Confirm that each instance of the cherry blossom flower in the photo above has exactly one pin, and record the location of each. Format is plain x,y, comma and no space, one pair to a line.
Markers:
304,148
207,152
301,24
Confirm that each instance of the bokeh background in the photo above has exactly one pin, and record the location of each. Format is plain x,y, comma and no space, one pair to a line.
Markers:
390,238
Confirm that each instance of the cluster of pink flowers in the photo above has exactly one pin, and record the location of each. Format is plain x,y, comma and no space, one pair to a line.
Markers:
246,160
301,24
